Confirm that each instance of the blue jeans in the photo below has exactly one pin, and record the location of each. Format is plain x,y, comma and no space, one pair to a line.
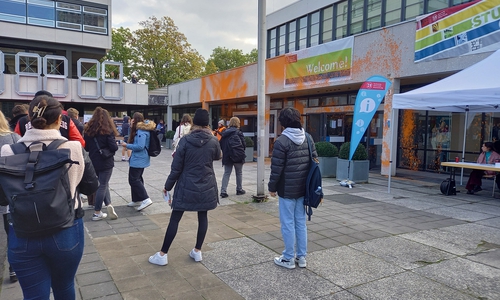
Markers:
228,168
102,194
293,227
51,261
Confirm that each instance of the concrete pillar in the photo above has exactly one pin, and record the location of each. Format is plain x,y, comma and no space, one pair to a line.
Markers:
389,140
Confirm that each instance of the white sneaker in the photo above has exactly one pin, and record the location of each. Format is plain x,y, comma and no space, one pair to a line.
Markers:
111,212
157,259
301,261
132,204
98,217
285,263
195,255
145,204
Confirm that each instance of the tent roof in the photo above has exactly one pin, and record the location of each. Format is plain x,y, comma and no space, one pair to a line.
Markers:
476,87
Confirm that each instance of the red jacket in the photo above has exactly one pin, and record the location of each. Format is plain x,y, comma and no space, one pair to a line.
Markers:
70,132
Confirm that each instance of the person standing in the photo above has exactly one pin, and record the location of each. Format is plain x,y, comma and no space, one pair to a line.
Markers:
193,175
227,161
125,133
139,160
46,262
487,156
289,169
7,137
19,111
73,114
100,132
220,129
160,130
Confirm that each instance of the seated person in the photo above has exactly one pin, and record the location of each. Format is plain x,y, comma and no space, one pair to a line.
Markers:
488,156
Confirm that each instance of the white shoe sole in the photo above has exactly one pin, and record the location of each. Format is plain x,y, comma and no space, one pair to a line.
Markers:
111,212
143,206
134,204
193,256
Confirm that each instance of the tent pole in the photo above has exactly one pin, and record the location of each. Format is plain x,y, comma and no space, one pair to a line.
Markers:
463,146
390,150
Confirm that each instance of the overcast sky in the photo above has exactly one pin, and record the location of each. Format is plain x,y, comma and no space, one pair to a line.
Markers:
207,24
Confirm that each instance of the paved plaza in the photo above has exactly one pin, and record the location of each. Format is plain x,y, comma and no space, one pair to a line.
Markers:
364,243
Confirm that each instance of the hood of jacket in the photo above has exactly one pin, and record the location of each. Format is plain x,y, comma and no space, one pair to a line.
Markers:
296,135
199,137
229,131
146,125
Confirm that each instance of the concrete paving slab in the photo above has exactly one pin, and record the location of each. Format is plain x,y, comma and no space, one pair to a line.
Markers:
348,267
489,257
460,214
481,207
493,222
465,275
404,253
407,286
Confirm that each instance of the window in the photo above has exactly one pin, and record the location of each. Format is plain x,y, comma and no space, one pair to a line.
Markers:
357,11
303,33
414,8
272,43
314,38
341,24
13,11
393,12
282,40
69,16
434,5
41,13
95,20
374,14
327,34
292,33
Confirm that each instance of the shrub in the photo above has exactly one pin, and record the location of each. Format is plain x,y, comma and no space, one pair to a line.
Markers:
326,149
359,154
169,135
248,141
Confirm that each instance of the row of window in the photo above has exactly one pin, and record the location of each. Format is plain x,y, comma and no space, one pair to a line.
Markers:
49,13
347,18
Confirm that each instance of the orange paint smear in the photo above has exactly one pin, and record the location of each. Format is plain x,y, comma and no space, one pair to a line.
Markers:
225,85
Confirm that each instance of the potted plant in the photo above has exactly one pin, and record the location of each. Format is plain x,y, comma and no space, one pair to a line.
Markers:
327,157
358,168
169,136
249,150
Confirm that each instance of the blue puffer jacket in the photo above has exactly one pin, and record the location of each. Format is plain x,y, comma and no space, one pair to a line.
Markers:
192,172
140,157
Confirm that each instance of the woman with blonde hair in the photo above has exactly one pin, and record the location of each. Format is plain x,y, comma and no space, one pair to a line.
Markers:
7,137
228,160
99,134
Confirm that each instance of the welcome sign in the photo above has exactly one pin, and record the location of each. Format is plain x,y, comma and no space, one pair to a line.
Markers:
469,28
323,63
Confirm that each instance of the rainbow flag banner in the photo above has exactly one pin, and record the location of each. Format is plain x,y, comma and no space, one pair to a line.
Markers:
463,29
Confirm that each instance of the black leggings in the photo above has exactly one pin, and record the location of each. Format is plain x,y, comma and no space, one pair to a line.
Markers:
173,225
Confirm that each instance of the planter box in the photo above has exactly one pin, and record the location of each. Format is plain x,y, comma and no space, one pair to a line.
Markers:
358,172
249,154
328,166
169,143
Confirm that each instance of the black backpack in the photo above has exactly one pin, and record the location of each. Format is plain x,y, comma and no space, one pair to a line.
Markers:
236,148
314,190
154,148
34,183
448,187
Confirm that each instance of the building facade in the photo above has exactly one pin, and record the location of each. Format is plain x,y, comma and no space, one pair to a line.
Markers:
57,46
319,53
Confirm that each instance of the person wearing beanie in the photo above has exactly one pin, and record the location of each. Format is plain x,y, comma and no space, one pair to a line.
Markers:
220,129
193,160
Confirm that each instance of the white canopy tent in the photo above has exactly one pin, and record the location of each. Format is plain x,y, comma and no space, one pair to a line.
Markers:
474,89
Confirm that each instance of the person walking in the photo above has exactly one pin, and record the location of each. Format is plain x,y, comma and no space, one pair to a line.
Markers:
19,111
73,114
46,262
160,131
139,160
193,175
227,160
220,129
99,134
7,137
125,134
181,130
289,169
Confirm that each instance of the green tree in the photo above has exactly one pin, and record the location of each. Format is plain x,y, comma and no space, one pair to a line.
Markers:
225,59
121,50
162,54
253,56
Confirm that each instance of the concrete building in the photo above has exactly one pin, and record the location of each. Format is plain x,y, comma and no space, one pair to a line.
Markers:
319,52
56,46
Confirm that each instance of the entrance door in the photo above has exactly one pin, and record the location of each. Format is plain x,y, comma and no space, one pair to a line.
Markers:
248,126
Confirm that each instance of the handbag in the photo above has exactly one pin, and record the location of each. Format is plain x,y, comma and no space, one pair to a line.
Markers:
89,183
105,153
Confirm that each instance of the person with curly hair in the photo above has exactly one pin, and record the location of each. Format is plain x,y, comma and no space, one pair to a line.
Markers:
99,133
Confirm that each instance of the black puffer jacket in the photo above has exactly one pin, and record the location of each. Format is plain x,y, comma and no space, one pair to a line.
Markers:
105,141
290,166
192,172
226,148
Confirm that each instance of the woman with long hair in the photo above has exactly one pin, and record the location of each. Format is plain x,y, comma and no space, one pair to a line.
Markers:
487,156
7,137
99,133
183,129
138,142
46,262
192,173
